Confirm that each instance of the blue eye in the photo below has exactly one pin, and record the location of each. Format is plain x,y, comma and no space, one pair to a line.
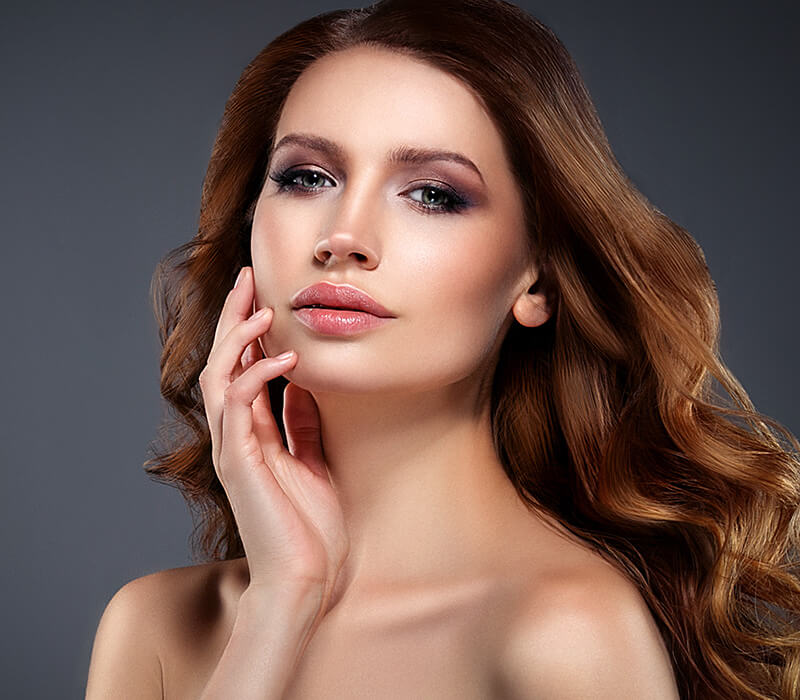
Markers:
438,200
448,200
286,179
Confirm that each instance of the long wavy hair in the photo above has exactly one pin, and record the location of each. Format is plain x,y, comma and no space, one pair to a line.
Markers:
617,416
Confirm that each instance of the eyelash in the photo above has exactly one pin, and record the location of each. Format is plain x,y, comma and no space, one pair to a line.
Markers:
455,202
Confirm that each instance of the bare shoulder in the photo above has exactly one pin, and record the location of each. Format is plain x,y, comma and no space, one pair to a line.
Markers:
585,632
152,617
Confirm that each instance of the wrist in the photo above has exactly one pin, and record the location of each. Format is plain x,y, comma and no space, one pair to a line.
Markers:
287,601
270,633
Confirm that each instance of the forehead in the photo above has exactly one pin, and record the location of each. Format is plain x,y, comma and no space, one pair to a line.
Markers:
370,99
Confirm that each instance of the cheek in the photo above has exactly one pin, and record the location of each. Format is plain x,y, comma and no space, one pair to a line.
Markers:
463,298
275,279
275,248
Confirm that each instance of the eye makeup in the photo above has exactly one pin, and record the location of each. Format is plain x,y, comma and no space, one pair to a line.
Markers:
403,154
453,200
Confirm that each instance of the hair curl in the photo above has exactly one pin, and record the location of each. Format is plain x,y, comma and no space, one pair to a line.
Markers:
606,416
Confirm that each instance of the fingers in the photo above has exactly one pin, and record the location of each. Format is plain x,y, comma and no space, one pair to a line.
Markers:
252,353
237,307
237,413
303,430
238,304
235,349
225,366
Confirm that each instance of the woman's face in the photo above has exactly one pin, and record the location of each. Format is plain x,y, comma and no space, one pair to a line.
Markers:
439,244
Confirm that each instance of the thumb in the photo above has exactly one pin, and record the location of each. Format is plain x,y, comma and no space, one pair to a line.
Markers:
303,431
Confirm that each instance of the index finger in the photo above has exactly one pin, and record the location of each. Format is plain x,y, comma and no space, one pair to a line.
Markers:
238,304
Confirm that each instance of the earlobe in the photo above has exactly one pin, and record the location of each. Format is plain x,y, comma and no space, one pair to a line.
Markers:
531,308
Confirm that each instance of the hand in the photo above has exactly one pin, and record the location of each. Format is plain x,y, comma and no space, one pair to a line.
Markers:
288,513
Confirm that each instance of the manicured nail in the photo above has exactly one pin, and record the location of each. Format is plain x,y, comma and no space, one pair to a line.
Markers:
285,356
260,313
239,277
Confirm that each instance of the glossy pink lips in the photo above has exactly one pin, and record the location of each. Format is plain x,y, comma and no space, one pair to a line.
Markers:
338,321
338,309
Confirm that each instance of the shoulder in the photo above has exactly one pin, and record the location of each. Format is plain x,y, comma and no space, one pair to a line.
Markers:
585,632
150,617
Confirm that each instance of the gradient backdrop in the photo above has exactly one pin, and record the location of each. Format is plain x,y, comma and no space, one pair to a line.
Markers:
109,111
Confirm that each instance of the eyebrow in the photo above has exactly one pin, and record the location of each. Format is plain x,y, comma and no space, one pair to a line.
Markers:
401,154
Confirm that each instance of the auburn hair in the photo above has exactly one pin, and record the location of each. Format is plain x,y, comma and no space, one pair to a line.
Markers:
617,416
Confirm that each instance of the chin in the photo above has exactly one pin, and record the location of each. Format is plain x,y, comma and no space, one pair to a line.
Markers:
369,378
340,379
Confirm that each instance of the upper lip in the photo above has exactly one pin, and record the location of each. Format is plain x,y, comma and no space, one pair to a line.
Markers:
339,296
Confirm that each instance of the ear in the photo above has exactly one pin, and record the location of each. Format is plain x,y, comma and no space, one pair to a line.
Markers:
531,307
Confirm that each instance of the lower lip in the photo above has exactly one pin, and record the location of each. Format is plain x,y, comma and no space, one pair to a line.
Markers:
339,321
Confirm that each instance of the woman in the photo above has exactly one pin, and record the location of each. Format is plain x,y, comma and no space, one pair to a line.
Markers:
503,472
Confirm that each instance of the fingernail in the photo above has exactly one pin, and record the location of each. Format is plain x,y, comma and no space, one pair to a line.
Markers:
285,356
239,277
260,312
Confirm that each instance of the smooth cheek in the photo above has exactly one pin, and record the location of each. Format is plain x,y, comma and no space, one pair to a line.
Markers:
280,269
462,307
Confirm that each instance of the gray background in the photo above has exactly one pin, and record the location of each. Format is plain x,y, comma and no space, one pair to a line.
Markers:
109,111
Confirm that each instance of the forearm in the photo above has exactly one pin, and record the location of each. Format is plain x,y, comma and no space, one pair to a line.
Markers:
268,639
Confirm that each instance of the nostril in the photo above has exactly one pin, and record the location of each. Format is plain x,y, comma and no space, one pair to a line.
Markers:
330,255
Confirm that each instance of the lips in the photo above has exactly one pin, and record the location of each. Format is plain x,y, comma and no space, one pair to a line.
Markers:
339,296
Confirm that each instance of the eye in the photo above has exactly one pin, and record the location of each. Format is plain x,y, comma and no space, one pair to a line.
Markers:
308,180
436,198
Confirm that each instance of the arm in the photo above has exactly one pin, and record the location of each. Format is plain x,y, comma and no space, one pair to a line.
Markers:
269,637
124,661
282,498
588,640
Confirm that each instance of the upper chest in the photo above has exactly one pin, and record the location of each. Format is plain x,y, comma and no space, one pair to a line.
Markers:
427,643
431,641
421,644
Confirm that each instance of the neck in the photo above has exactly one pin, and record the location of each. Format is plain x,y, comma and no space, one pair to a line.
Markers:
423,491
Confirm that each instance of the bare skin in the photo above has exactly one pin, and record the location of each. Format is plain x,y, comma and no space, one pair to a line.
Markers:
443,641
406,435
436,579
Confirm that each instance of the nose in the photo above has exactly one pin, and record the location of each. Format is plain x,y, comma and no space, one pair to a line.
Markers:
350,230
340,246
